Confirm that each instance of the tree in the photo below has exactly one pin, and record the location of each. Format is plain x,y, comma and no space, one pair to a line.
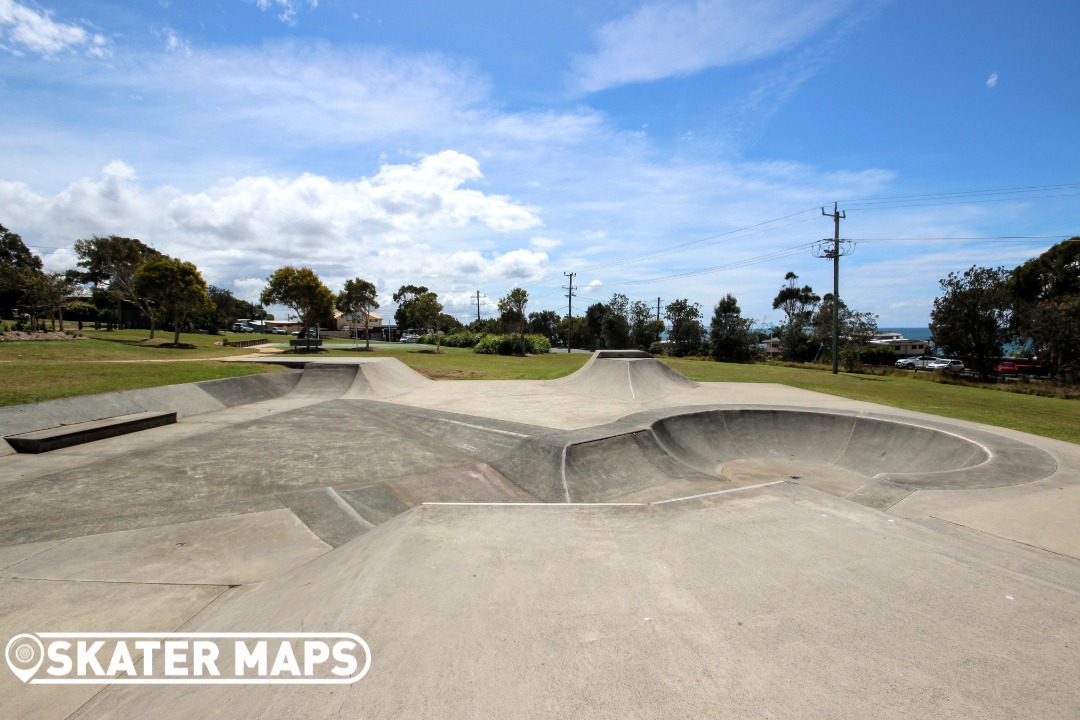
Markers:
300,290
112,261
35,295
798,305
512,308
546,323
448,324
687,333
423,312
358,297
593,335
972,316
615,328
228,308
405,295
856,331
175,286
645,329
731,337
1046,299
15,257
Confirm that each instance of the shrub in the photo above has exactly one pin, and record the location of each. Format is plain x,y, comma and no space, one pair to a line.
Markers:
537,345
491,345
510,345
462,339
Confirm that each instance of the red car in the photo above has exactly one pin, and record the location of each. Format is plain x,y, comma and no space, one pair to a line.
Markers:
1008,367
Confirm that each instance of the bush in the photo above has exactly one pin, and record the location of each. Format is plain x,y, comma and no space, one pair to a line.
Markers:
494,345
510,345
463,339
537,345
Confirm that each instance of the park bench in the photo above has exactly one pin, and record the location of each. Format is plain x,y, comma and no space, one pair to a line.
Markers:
306,343
40,441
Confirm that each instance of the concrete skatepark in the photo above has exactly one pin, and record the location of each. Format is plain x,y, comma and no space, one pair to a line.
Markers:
621,542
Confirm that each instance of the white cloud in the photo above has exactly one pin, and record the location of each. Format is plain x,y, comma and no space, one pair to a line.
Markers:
287,8
409,223
176,44
26,29
664,39
992,81
543,243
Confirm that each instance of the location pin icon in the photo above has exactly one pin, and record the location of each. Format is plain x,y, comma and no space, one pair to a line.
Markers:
24,654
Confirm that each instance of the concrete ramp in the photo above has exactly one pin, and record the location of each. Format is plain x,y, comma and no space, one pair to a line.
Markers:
383,378
325,381
629,375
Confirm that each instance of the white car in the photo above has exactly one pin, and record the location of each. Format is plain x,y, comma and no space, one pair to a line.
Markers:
946,365
917,363
408,338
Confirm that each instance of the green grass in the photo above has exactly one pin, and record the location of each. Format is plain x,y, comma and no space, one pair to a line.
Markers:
34,371
464,364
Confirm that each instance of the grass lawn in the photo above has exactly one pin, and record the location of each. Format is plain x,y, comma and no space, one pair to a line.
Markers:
121,360
32,371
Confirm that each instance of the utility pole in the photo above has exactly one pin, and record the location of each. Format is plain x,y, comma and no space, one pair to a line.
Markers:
569,311
834,255
477,306
657,309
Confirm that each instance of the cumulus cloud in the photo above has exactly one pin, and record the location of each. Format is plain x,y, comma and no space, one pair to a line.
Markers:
416,223
991,82
27,29
664,39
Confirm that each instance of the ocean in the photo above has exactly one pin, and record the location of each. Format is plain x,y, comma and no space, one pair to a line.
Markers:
911,333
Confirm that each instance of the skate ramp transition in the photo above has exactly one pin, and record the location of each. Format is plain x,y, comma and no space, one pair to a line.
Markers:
373,378
630,375
874,460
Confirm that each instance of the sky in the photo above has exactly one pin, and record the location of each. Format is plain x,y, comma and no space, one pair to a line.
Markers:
671,150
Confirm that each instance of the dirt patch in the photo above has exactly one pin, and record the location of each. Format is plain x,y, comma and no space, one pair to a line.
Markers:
20,336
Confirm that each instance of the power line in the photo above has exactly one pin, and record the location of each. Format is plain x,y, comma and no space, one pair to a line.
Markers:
776,255
989,238
964,193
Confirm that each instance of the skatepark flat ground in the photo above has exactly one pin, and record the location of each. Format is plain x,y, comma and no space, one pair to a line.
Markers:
622,543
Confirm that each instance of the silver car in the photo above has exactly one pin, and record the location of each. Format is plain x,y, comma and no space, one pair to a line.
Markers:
945,365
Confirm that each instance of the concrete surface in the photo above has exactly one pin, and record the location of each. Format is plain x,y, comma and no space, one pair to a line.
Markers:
618,543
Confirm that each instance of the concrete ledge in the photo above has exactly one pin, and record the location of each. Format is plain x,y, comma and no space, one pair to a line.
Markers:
40,441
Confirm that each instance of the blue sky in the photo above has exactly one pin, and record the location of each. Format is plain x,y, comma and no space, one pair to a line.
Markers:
672,149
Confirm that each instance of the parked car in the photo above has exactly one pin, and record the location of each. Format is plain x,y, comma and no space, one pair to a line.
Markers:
1010,367
945,365
409,338
277,331
917,363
